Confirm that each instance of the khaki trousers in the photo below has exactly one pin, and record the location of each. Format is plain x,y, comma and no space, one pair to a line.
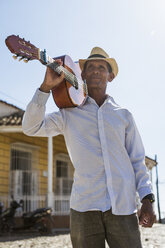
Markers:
90,230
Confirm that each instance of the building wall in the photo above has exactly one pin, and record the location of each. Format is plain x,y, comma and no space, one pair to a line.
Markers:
6,139
4,164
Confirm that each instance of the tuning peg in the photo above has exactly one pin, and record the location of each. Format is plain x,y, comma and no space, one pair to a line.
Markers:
25,60
15,57
20,58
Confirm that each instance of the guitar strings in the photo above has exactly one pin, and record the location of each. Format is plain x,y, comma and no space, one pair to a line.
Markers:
68,75
56,66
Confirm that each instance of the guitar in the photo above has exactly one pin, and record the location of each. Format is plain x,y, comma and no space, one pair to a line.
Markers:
72,91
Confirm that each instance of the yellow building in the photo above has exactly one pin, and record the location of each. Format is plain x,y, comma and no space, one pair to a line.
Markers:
24,166
35,169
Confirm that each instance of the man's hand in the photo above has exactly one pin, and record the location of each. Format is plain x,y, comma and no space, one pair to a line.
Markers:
51,79
147,216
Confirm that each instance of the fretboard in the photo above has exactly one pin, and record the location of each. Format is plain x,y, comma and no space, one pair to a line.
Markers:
70,77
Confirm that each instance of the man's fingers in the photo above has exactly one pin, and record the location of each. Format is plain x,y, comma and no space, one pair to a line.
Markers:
59,61
62,75
147,221
149,224
141,218
52,79
151,220
60,78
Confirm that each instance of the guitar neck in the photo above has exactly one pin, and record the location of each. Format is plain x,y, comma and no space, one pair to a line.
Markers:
50,62
27,51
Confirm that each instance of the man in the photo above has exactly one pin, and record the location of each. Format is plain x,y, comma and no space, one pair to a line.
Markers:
108,156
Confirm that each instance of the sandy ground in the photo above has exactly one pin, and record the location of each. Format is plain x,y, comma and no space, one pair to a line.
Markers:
151,237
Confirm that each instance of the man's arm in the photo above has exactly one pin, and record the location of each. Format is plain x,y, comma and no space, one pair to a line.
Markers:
35,123
136,154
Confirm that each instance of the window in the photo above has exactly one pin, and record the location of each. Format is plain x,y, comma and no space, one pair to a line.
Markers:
21,160
23,170
64,171
61,168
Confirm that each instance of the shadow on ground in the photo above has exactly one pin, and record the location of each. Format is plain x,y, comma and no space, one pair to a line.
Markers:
21,235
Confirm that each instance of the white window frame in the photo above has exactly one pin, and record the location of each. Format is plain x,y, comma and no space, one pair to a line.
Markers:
60,181
17,174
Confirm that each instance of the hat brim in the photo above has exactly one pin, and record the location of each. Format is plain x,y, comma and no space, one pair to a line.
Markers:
110,61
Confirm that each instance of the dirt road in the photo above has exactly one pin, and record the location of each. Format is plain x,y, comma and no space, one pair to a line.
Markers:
151,237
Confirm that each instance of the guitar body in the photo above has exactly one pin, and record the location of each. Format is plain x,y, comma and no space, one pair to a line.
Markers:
65,95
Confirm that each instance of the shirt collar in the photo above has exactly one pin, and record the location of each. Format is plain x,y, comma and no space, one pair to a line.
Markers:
91,100
109,99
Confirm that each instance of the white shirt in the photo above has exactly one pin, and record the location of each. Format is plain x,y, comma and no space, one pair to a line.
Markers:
105,148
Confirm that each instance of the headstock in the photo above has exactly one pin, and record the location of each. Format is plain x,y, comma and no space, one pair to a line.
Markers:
22,48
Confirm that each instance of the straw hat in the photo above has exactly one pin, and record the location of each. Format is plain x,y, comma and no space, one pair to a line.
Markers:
99,53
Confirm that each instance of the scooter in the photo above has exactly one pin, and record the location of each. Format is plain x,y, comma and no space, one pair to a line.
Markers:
7,216
40,220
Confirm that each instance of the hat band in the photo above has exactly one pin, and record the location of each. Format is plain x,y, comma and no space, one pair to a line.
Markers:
96,55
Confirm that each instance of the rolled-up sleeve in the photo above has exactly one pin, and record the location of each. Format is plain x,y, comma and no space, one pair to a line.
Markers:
136,152
36,123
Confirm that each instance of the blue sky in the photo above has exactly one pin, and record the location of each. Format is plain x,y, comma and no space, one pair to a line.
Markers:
131,31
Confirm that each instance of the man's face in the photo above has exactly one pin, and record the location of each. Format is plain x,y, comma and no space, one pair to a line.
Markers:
97,74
